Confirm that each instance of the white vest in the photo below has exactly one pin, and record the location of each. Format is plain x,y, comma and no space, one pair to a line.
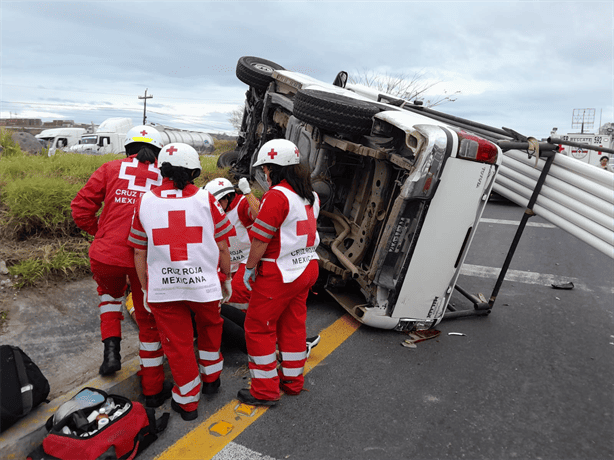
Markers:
294,234
238,245
189,240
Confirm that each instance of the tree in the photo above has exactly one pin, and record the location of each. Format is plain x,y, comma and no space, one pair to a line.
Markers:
236,117
402,86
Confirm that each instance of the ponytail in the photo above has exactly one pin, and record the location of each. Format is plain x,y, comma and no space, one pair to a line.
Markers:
180,176
297,176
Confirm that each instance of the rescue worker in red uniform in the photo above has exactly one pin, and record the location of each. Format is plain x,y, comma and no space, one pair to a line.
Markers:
180,233
281,268
242,211
118,184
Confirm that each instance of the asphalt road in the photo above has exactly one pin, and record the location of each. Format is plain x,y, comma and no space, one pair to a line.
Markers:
532,380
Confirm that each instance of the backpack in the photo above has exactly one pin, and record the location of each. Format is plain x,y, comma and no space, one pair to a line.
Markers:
22,386
95,426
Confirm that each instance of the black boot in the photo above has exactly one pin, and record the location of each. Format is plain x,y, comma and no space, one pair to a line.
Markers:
112,359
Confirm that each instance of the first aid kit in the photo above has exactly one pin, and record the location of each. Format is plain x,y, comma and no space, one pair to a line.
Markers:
94,425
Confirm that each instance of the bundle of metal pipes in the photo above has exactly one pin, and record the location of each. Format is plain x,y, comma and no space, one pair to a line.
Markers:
577,197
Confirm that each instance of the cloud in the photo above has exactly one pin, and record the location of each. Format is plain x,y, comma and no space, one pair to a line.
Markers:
521,63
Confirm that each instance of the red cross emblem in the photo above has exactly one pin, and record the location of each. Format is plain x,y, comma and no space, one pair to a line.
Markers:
297,152
308,227
220,183
177,236
272,154
171,150
143,133
141,174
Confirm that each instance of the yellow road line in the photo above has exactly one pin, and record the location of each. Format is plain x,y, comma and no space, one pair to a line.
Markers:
212,435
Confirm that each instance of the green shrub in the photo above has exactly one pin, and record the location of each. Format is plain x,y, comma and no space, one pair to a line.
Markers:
62,262
41,205
222,146
11,148
35,196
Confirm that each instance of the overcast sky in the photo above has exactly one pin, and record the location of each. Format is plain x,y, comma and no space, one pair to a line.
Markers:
523,65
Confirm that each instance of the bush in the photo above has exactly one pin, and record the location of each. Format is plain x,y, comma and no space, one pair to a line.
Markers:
222,146
61,262
11,148
35,196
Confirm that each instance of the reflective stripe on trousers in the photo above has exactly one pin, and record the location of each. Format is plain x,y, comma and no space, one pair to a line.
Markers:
292,363
209,364
185,394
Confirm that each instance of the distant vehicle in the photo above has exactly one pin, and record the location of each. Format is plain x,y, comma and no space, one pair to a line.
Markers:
203,143
592,157
401,192
60,138
108,138
111,135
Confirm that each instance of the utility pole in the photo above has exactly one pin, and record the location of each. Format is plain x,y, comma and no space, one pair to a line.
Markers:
145,104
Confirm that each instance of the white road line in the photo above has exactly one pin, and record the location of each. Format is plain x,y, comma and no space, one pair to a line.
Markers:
520,276
513,222
233,451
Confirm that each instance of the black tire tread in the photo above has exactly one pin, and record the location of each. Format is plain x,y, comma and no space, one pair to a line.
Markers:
227,159
251,76
334,112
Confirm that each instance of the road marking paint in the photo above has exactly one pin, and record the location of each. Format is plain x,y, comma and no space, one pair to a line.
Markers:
215,433
525,277
233,451
513,222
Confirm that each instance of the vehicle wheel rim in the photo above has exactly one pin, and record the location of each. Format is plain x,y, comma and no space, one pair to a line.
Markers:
263,67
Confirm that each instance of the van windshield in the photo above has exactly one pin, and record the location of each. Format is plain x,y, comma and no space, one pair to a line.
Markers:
89,140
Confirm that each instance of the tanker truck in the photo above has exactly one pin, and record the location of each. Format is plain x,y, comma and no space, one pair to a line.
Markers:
111,135
202,142
108,138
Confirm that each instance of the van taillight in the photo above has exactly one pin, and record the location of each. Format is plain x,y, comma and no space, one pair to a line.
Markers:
477,149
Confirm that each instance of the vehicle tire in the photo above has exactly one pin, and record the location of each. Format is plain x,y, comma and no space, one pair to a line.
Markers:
334,112
227,159
256,72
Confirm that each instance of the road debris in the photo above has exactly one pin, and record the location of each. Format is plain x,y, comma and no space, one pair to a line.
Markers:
563,286
457,333
419,336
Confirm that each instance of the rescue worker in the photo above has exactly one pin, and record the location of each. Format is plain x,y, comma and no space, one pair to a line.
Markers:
242,211
118,184
281,268
180,233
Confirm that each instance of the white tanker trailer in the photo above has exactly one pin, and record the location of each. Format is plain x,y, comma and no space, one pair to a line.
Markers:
202,142
111,135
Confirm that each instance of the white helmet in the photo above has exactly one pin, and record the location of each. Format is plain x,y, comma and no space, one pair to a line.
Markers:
219,187
179,154
280,152
146,134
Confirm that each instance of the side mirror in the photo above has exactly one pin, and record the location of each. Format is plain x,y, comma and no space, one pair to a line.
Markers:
341,79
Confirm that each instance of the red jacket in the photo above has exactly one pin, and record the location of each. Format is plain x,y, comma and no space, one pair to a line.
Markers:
118,184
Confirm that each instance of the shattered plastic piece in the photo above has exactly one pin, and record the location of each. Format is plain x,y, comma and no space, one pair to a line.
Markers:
456,333
563,286
409,344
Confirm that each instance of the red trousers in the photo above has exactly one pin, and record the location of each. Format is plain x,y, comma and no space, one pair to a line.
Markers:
276,315
111,281
175,326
